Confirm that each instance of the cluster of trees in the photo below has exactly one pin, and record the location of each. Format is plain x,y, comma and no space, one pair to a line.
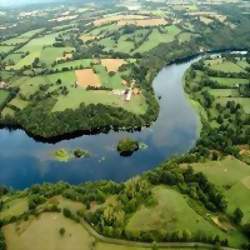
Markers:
127,146
43,92
2,241
216,73
196,185
244,90
88,119
111,220
12,92
178,236
232,121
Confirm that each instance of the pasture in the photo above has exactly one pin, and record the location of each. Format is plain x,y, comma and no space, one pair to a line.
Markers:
74,64
13,58
18,103
5,49
224,65
73,100
184,37
3,96
229,82
14,207
122,45
232,176
35,48
7,112
51,54
102,30
224,92
22,38
167,35
173,213
107,80
227,88
244,102
43,232
143,22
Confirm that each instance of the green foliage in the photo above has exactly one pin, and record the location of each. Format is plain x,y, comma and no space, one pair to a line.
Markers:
196,185
80,153
237,215
62,231
127,146
2,241
35,200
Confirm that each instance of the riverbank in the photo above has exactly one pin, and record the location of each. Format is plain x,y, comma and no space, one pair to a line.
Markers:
174,132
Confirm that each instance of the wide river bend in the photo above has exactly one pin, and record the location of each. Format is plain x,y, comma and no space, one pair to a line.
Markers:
24,161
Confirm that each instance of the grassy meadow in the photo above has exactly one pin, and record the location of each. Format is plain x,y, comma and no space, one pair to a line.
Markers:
43,232
3,96
173,212
233,177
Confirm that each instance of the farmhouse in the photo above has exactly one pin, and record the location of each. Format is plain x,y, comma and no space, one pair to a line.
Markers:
128,95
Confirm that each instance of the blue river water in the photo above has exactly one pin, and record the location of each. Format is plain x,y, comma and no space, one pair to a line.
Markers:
24,161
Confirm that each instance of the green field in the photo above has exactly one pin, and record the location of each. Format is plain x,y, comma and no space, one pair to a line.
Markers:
73,64
114,82
184,37
173,213
22,38
224,66
6,49
76,97
229,82
43,233
18,102
51,54
244,102
171,206
14,207
8,112
156,37
233,177
3,96
102,30
13,58
224,92
35,48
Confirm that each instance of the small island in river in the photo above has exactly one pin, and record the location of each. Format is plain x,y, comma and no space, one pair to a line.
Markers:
65,155
127,146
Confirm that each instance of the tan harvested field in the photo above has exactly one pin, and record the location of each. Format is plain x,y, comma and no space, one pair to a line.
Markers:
112,64
206,20
208,14
87,77
63,18
117,18
144,22
86,38
42,233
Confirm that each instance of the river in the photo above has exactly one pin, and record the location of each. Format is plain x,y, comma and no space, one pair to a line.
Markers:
24,161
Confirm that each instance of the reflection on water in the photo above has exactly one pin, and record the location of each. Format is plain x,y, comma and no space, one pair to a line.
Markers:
23,161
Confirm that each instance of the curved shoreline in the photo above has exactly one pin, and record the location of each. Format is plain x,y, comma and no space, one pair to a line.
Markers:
105,130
